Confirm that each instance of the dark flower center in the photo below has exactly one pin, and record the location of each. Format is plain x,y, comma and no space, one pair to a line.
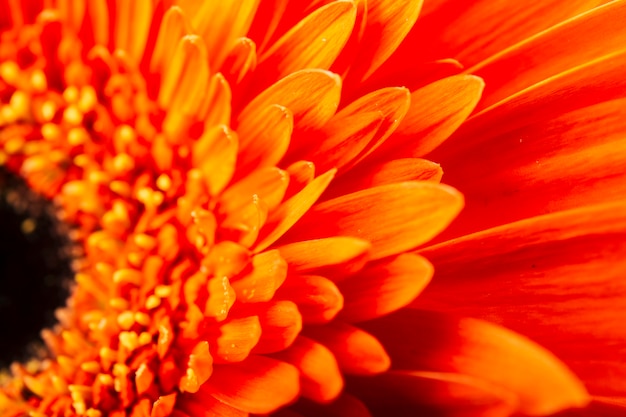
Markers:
35,270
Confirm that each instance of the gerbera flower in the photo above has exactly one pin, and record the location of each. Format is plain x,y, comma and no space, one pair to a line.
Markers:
246,184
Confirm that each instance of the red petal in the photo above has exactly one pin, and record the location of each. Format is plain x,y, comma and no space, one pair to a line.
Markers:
356,351
394,218
414,393
428,341
257,385
384,287
583,39
320,377
557,278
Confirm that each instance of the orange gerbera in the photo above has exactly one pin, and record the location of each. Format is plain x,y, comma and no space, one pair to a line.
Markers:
245,184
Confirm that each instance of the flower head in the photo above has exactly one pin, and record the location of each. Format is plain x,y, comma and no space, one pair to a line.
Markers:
246,184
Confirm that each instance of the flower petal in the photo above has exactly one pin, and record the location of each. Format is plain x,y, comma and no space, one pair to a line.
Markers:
311,95
320,377
265,138
281,322
435,342
318,298
257,385
450,26
315,42
561,145
413,393
356,351
384,287
311,255
388,22
582,39
395,171
437,110
411,213
562,270
294,208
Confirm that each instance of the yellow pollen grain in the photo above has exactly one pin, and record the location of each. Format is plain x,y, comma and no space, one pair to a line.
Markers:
50,131
92,412
48,110
144,338
20,102
7,114
123,163
70,94
38,81
76,136
163,291
152,302
126,134
107,353
88,99
14,145
126,320
118,303
130,340
72,115
164,182
9,72
105,379
120,187
81,160
142,318
91,367
144,241
135,259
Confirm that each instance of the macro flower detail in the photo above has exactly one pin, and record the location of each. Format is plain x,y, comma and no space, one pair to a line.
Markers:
246,188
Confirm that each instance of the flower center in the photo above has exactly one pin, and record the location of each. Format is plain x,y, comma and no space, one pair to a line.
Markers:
35,269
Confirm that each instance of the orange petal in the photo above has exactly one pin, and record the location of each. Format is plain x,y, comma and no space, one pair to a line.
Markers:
311,255
384,287
311,95
429,341
451,29
415,393
356,351
172,29
320,377
186,77
315,42
580,113
265,137
345,405
564,273
203,404
132,23
257,385
281,323
214,154
269,271
582,39
237,338
220,23
371,175
394,218
388,22
215,106
240,62
437,110
318,298
268,184
293,209
391,103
